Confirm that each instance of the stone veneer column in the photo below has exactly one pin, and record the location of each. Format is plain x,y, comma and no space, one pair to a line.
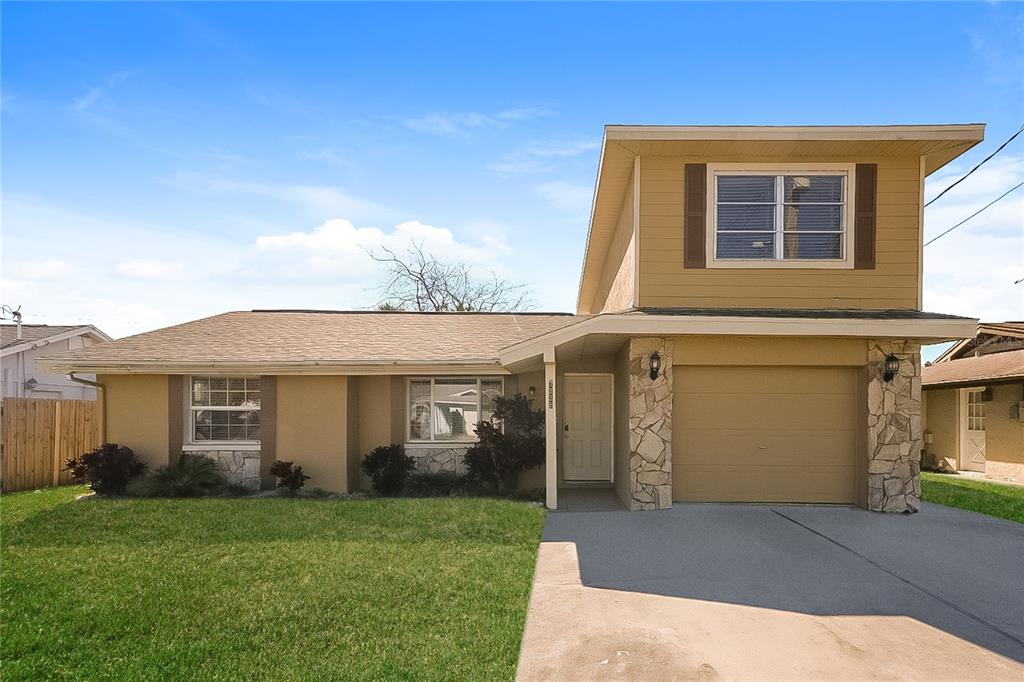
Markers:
650,425
894,428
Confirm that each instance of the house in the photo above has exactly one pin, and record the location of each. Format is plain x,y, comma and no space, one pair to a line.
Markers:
21,344
973,400
748,328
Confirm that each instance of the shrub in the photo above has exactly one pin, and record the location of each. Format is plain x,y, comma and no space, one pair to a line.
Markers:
512,441
432,485
107,469
388,468
290,478
191,476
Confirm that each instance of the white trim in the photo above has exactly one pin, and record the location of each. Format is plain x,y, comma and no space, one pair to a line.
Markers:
611,421
240,446
636,231
962,132
47,340
846,170
923,172
235,368
933,331
550,434
432,443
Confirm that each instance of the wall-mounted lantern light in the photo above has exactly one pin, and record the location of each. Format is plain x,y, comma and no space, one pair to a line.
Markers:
892,366
655,365
533,391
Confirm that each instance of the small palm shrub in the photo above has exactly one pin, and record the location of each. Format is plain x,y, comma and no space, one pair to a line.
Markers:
108,469
191,476
512,441
290,478
388,468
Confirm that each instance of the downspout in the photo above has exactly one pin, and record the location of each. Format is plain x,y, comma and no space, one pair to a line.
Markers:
101,396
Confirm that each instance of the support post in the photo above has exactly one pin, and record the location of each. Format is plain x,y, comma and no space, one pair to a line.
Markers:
550,433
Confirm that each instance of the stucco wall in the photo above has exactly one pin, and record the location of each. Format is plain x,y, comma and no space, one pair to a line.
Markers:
313,428
137,414
940,420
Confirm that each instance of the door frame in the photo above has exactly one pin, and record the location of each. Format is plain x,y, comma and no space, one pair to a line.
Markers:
611,423
963,422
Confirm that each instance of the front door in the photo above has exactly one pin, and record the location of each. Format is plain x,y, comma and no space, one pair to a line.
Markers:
587,428
972,425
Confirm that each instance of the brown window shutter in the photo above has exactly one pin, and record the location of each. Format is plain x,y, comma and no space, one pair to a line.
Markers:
864,216
695,219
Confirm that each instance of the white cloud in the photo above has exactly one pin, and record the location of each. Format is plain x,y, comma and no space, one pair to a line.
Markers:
537,156
337,248
50,268
92,95
461,123
566,196
971,271
148,268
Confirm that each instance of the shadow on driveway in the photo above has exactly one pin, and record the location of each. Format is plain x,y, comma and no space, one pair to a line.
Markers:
958,572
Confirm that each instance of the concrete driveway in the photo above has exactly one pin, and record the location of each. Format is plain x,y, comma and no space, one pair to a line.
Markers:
776,592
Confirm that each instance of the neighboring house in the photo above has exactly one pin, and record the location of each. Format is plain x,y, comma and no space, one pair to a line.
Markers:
748,328
974,403
19,349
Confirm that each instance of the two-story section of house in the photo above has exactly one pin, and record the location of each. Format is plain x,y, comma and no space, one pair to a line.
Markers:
748,329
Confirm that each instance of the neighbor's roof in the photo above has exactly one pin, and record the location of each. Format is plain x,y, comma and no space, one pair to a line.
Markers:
936,144
287,340
1010,328
977,371
36,333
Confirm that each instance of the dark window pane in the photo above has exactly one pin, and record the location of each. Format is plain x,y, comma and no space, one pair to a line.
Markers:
813,246
752,188
455,408
218,384
758,245
813,188
815,218
745,217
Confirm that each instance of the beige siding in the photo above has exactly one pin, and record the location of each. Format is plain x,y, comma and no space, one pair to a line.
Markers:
893,283
312,427
616,288
137,414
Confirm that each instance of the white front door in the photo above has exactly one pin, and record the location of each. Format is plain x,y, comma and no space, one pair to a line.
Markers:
587,427
972,426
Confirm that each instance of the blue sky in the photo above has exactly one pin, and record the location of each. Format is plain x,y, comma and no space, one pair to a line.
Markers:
162,162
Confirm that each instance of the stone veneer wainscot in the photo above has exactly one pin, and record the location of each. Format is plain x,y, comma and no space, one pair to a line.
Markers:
240,467
650,425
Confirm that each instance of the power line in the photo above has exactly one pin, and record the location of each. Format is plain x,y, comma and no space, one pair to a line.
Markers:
936,198
1018,186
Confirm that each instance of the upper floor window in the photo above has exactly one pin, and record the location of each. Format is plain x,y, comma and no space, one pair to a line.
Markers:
792,218
224,409
448,408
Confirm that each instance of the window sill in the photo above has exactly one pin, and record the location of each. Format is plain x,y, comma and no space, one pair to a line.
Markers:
221,445
782,264
439,444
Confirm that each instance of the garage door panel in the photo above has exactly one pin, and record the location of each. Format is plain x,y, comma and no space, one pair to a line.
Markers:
766,413
779,380
765,434
755,448
765,484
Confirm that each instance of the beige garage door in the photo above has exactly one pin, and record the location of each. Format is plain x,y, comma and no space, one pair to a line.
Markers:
764,434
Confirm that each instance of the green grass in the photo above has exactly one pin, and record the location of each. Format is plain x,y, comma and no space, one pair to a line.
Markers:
994,499
263,588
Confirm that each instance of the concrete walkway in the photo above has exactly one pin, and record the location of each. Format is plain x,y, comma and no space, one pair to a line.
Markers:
706,592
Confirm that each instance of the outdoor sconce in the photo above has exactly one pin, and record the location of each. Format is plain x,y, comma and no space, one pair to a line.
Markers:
655,365
892,366
533,391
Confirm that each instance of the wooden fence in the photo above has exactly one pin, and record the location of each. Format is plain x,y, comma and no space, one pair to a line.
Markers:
38,438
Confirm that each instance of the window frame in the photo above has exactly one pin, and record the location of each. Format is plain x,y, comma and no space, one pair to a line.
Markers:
975,399
190,441
421,442
846,170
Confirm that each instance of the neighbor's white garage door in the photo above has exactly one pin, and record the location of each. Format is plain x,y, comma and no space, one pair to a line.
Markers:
764,434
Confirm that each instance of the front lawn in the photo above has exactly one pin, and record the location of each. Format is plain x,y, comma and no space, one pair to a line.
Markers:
263,588
994,499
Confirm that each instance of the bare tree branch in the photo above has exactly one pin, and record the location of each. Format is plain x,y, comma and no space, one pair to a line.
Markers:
416,280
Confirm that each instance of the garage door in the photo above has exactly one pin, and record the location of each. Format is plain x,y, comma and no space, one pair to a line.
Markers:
764,434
